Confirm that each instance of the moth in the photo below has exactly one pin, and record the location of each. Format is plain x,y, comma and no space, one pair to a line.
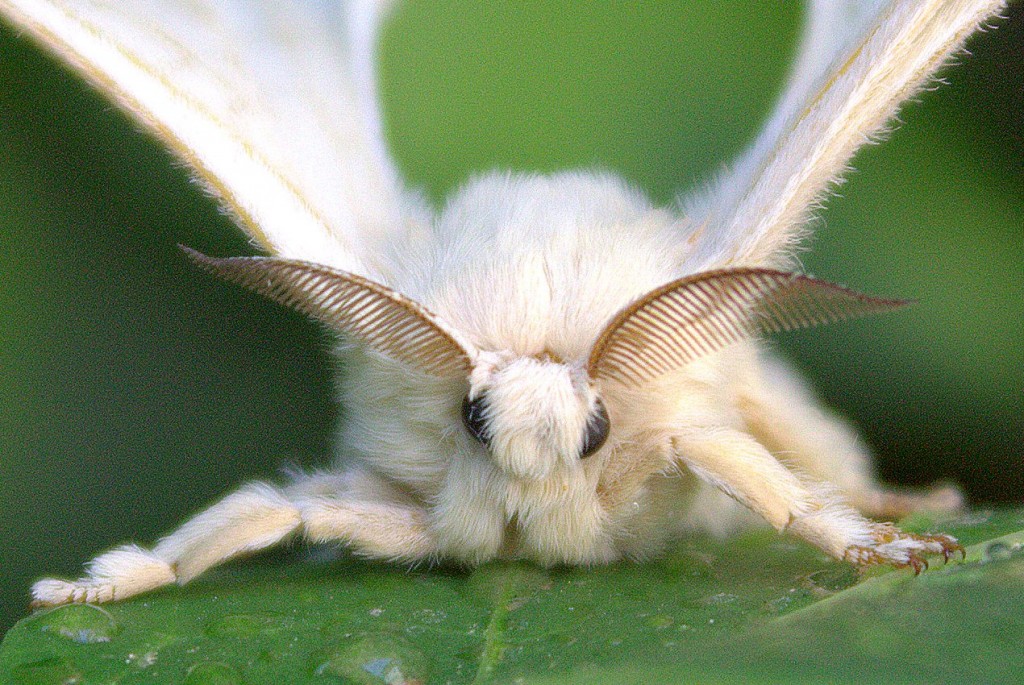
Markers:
548,367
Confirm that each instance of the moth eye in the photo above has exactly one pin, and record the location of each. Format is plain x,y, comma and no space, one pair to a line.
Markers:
597,431
474,417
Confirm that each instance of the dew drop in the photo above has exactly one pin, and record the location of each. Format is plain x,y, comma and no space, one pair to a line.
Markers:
830,580
81,623
660,621
52,671
142,661
376,659
997,551
245,625
212,673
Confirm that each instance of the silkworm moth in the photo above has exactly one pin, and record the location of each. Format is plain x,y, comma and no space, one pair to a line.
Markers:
549,367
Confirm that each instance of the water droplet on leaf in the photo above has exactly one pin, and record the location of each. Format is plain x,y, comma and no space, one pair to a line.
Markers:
376,659
830,580
212,673
660,621
81,623
245,625
997,551
144,660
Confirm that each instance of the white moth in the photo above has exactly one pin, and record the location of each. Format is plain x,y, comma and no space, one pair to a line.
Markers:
550,367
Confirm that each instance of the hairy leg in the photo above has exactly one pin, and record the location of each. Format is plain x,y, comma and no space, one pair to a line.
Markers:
349,508
740,466
781,413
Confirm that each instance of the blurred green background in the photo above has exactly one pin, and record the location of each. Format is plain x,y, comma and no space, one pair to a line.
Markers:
133,389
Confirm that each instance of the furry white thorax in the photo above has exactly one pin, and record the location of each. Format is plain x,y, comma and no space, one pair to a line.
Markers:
492,267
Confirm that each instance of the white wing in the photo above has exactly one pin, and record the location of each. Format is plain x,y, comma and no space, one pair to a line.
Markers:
858,61
272,103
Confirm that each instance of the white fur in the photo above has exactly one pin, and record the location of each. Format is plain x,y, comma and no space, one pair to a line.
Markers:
538,411
527,271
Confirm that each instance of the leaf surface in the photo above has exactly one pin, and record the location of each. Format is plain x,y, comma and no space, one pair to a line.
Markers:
756,608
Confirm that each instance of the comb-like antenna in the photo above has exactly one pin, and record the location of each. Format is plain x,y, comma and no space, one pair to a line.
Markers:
700,314
381,318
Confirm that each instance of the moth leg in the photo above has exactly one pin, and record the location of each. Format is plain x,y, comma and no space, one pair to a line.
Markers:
252,518
740,466
783,415
365,512
255,517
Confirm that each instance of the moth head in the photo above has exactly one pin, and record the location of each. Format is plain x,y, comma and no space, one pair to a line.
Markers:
534,414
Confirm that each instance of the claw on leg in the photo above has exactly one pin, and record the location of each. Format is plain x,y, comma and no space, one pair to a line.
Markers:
893,547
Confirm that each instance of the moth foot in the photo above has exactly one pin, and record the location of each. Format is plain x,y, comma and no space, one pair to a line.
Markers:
52,592
118,574
896,548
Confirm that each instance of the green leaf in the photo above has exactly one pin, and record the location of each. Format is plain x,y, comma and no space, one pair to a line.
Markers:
756,608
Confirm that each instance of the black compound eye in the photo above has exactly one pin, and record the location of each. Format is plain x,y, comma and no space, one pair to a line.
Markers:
597,431
474,417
